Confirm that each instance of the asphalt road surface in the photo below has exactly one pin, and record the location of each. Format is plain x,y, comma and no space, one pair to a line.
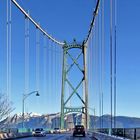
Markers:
67,136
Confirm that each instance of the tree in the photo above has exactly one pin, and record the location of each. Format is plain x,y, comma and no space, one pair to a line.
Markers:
5,106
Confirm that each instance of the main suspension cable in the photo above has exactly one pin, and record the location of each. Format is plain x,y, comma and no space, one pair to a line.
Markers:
93,21
36,24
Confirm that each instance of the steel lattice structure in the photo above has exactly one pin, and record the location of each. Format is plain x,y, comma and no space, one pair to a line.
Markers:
84,100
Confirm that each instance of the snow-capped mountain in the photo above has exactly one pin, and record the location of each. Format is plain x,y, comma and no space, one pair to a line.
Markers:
50,121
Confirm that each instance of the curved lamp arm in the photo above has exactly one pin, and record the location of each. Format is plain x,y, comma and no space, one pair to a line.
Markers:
27,95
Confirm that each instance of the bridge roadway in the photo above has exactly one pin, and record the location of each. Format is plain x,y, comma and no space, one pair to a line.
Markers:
67,136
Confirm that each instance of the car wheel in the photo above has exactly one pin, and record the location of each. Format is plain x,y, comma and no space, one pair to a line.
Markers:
73,135
84,135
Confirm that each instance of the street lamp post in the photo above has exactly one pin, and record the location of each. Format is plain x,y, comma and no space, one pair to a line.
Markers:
23,101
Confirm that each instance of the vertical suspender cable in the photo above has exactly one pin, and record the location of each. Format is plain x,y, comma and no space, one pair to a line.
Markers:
51,70
95,64
97,61
37,57
90,78
26,55
101,67
102,60
89,58
55,76
115,63
48,73
111,63
99,73
92,47
7,51
102,24
50,91
56,70
10,46
60,70
44,67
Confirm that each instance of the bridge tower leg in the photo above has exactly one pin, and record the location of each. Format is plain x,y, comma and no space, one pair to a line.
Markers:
86,86
83,98
63,87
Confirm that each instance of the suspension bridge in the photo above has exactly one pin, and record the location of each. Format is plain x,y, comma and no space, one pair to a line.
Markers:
69,77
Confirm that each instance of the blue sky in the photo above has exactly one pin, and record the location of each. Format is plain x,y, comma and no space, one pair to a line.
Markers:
66,20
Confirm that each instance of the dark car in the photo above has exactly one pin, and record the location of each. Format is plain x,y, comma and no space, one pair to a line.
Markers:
39,132
79,130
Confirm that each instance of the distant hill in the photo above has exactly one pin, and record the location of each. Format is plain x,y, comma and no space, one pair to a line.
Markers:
50,121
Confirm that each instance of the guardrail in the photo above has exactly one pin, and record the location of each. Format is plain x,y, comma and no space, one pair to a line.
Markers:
129,133
10,133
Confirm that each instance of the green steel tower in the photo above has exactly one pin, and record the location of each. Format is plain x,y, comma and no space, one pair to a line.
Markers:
83,99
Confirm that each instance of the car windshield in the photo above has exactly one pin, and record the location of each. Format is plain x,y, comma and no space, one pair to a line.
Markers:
79,126
39,129
56,128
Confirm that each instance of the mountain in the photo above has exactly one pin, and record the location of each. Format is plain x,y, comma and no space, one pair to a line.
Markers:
50,121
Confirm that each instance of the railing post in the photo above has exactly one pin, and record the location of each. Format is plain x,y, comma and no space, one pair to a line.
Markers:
135,134
124,133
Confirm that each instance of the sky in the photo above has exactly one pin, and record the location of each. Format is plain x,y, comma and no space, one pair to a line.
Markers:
66,20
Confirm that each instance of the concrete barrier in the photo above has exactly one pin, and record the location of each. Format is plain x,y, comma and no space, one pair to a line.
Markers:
6,136
101,136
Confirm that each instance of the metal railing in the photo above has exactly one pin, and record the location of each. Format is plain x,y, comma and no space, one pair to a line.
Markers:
129,133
